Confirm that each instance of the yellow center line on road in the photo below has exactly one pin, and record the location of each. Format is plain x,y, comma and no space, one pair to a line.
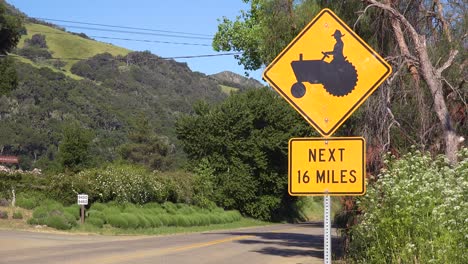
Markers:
157,252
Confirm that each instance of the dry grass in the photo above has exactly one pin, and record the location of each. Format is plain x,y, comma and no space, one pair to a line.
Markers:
19,224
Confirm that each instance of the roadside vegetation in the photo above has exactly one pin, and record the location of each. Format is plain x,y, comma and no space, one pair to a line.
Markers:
159,148
123,199
121,219
128,216
416,212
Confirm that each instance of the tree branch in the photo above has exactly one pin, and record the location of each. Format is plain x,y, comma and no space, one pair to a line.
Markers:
453,54
361,15
440,16
398,16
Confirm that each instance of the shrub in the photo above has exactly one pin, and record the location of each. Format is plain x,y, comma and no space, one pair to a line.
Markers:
171,220
34,53
143,222
415,213
58,222
40,212
165,219
135,184
194,219
21,182
33,221
131,219
37,40
186,210
52,205
170,207
95,221
26,203
204,219
4,202
233,216
63,187
181,220
17,215
71,219
95,214
178,185
215,219
29,200
111,210
73,210
117,221
3,215
152,206
98,206
154,220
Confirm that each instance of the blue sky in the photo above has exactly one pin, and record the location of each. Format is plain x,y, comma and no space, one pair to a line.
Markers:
192,16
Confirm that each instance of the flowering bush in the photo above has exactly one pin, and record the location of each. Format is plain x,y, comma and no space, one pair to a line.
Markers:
121,183
416,212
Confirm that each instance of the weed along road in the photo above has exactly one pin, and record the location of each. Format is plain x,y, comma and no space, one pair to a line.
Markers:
283,243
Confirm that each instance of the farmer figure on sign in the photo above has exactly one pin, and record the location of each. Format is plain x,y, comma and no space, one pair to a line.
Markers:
337,49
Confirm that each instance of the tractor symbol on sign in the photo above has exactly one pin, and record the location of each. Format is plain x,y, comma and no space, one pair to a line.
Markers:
338,77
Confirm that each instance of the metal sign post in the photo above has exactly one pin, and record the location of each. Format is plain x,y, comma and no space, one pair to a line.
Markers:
327,229
325,73
82,201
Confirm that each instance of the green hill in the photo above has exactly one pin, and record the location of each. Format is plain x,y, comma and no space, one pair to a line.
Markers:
69,80
62,44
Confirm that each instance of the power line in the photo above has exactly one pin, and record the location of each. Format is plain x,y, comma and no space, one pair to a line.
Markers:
115,26
128,39
203,56
135,32
157,58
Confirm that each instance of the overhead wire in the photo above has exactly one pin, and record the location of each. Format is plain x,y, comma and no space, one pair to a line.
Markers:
189,36
127,39
135,32
157,58
124,27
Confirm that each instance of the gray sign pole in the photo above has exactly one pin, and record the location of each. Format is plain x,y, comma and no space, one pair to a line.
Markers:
327,229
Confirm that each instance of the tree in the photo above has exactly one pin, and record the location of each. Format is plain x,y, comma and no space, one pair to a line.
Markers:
74,147
145,147
414,49
10,33
10,30
8,77
402,112
37,40
245,140
263,31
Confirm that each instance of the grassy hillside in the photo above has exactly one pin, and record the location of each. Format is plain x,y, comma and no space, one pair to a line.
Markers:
228,89
66,45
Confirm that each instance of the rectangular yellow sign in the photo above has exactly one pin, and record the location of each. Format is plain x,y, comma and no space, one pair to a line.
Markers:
327,166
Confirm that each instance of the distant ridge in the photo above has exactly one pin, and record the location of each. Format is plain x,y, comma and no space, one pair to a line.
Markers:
235,80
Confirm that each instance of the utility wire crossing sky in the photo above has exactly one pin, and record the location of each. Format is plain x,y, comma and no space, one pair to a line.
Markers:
178,29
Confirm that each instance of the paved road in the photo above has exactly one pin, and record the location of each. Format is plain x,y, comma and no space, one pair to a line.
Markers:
286,243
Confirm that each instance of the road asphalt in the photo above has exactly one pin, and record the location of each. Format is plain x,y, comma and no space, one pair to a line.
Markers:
282,243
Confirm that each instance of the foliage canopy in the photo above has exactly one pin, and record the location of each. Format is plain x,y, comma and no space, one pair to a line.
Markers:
244,141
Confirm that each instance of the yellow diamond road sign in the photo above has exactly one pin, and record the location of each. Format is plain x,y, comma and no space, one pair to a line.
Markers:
327,72
327,166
